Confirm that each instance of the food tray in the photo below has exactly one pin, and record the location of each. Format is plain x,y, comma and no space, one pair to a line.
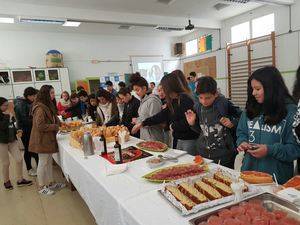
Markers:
252,190
270,202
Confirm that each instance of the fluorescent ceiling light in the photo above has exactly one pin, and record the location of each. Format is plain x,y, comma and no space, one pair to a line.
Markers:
7,20
71,24
40,21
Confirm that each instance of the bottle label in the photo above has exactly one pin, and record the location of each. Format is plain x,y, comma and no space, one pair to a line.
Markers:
117,155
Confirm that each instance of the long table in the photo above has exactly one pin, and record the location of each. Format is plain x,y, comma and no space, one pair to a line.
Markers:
119,199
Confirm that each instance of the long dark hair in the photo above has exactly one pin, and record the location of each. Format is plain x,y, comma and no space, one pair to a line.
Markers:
43,97
172,84
275,95
183,80
296,90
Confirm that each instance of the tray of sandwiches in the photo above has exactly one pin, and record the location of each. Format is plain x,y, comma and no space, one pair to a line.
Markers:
196,194
75,138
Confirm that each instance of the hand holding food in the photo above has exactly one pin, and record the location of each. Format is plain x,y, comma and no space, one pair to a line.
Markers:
226,122
190,117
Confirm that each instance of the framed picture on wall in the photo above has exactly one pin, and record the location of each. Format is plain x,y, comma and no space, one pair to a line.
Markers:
40,75
4,77
53,74
21,76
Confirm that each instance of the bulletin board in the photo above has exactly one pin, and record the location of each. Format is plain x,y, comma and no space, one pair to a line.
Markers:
206,66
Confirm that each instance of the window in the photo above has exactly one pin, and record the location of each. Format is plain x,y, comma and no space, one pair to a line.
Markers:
263,25
191,47
240,32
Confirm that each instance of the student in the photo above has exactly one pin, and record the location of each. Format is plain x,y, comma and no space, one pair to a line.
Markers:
149,106
121,85
265,128
84,101
120,105
75,108
92,106
110,88
167,133
178,102
9,145
63,104
153,89
215,120
107,111
22,109
131,108
43,139
192,83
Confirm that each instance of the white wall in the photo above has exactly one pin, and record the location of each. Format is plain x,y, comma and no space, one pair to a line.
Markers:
21,49
287,45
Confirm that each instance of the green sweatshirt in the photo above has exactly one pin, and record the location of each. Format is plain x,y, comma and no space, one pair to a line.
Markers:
281,144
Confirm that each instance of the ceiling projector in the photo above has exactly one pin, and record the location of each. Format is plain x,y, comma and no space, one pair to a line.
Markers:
190,26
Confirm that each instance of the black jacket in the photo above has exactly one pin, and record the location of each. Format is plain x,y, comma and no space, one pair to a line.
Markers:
6,135
24,118
179,124
92,111
75,110
130,111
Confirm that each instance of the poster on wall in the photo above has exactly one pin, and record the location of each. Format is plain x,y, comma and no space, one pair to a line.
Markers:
150,67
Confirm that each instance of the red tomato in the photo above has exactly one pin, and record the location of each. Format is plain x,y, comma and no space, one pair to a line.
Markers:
289,221
243,218
214,220
231,221
275,222
260,221
252,213
225,213
237,210
279,214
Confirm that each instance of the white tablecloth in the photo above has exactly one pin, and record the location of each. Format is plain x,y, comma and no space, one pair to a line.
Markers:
119,199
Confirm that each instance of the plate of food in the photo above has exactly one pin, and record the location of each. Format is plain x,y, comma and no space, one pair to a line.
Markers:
255,177
70,126
152,146
129,154
172,173
293,183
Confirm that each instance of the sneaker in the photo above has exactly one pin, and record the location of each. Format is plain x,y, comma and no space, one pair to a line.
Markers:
24,182
57,186
32,173
8,185
46,191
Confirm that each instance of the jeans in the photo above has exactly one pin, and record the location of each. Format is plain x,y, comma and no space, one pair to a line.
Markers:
187,145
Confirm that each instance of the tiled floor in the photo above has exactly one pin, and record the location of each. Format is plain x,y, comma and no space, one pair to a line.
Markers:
24,206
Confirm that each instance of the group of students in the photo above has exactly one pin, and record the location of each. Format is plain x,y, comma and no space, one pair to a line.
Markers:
197,118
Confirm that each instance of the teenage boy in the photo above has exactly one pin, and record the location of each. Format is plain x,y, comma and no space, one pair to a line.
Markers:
110,88
215,119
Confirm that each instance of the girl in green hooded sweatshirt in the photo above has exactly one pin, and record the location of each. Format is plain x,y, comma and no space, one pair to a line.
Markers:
264,131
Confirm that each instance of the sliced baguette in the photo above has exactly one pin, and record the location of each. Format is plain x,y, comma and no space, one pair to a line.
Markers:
219,176
191,192
221,187
210,192
184,200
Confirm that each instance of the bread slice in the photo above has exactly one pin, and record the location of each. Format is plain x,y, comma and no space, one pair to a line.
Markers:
184,200
190,191
210,192
219,176
224,189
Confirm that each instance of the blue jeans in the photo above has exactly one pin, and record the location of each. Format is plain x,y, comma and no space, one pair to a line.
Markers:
187,145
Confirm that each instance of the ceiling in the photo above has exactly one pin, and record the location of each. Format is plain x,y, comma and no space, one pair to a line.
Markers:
109,13
179,8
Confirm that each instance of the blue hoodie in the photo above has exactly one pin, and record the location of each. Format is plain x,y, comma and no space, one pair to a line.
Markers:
281,144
